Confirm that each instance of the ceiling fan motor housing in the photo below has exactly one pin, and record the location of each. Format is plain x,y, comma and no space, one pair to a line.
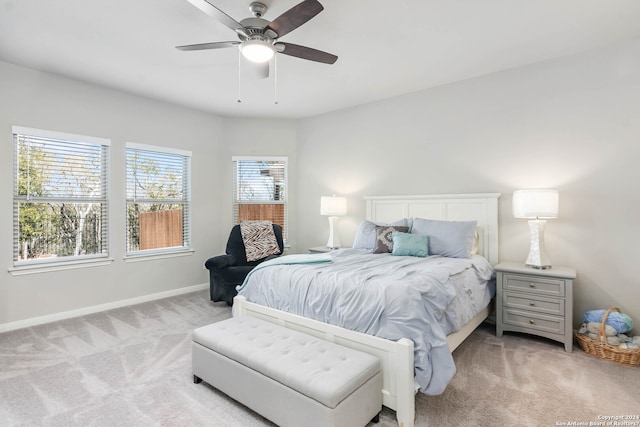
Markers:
253,27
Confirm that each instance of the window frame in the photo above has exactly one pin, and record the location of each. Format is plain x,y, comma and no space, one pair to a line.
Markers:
284,201
51,140
185,201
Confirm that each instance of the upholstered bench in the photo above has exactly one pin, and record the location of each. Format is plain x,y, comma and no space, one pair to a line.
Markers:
289,377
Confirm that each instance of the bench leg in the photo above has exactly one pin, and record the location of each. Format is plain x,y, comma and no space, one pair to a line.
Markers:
197,379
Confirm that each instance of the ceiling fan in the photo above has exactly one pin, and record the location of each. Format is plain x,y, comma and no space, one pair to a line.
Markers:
259,38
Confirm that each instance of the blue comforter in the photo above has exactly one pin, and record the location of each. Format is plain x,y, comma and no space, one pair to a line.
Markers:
387,296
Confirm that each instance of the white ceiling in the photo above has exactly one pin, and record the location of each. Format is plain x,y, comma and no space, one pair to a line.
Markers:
385,48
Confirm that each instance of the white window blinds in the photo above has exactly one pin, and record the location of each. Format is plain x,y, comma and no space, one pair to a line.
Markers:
158,199
60,197
260,190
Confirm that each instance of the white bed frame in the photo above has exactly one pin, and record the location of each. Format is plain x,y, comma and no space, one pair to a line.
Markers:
396,357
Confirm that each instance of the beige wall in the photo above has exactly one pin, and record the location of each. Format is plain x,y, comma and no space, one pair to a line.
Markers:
570,124
40,100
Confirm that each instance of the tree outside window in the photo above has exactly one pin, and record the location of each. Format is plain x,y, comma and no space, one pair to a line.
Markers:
60,196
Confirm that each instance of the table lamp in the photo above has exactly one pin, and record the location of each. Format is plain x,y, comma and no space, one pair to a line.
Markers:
333,207
537,205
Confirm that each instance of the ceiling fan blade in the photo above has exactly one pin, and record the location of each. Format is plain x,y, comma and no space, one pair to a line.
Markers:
294,17
204,46
306,53
210,9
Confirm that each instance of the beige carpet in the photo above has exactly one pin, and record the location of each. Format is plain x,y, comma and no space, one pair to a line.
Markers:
132,367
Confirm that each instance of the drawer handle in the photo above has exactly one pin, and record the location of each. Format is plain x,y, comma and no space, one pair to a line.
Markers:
532,304
532,321
531,285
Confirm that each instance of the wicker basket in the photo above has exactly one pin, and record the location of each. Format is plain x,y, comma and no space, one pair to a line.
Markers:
602,350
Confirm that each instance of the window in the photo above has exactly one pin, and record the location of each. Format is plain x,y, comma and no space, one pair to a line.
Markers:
60,201
158,199
260,190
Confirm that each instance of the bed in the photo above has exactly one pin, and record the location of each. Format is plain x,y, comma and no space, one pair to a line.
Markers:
397,356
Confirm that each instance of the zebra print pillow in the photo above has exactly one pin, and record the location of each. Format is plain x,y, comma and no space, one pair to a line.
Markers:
259,239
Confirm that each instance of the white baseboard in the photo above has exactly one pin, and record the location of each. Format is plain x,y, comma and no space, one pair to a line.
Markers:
33,321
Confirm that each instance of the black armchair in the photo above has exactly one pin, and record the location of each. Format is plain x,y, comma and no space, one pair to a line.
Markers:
228,271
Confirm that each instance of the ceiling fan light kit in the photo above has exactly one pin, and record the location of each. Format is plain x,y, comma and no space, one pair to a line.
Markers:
257,50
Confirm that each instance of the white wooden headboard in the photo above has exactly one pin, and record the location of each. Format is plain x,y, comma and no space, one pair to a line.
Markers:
481,207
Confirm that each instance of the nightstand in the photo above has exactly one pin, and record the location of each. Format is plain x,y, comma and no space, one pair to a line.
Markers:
537,302
320,250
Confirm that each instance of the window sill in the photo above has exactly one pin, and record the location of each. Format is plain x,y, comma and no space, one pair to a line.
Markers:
68,265
154,256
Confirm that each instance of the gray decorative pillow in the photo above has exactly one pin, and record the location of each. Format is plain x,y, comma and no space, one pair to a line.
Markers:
384,237
259,239
447,238
365,237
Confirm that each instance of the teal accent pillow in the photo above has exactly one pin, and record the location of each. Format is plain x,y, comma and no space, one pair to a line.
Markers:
405,244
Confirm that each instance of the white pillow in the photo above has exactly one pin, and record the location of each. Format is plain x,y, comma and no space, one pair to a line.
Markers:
447,238
365,237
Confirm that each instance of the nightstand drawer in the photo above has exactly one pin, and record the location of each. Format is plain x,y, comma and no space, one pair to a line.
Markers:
533,302
533,284
531,320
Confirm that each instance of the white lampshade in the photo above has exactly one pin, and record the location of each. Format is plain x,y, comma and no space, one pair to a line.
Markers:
333,206
535,203
257,50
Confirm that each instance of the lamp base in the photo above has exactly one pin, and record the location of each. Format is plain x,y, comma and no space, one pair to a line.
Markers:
334,241
537,254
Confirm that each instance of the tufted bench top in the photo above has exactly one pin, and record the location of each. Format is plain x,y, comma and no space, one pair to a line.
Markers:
321,370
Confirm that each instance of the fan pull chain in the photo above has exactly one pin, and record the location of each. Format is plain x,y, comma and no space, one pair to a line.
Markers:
275,79
239,75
